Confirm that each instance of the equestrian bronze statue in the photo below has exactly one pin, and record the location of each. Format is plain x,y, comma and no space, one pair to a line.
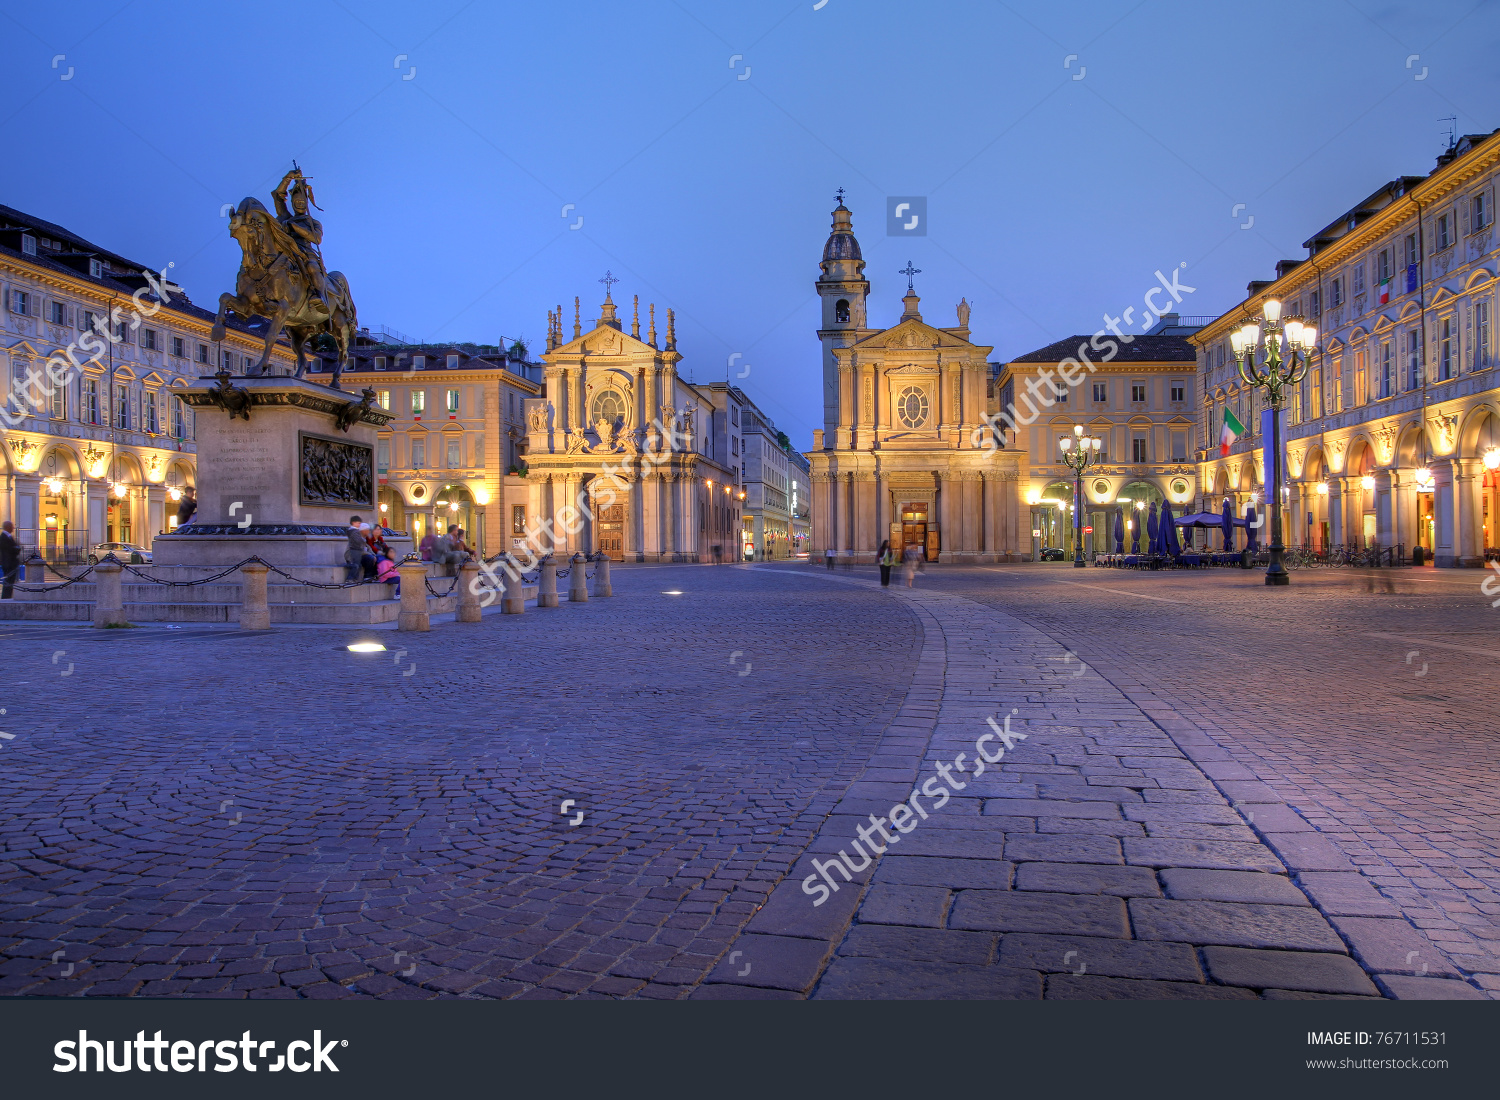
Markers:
282,278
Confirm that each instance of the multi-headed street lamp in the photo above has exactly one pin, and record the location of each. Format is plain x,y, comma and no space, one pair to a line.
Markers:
1079,459
1274,373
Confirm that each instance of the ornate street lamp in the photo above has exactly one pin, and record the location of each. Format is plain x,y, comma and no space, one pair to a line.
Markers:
1284,353
1079,459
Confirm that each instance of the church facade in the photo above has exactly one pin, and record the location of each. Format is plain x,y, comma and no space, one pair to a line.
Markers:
904,451
625,457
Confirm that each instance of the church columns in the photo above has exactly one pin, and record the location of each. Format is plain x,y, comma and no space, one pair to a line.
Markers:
846,406
819,515
1468,512
947,514
866,435
864,513
972,514
990,529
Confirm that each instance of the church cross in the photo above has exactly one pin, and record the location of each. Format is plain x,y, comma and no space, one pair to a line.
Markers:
840,193
609,280
909,271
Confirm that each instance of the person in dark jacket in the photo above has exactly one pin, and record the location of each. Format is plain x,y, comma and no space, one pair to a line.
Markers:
885,559
357,551
187,508
10,558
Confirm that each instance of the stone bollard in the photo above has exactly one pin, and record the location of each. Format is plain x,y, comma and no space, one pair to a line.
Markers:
109,609
514,602
468,592
578,581
547,591
36,570
601,576
413,613
255,609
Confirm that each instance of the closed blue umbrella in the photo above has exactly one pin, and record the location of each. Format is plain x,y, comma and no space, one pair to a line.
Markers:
1169,542
1119,532
1153,529
1252,539
1228,526
1135,533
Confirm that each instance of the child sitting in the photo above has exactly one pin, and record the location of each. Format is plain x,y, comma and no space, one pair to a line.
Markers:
387,573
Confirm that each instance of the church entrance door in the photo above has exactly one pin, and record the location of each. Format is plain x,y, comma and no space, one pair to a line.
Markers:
612,531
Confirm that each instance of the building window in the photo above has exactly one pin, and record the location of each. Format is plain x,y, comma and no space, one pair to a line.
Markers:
1314,303
122,407
203,353
153,423
452,362
226,359
1179,446
179,419
19,301
1445,351
518,519
734,415
911,406
148,339
87,321
1383,265
28,244
1444,231
841,312
1315,407
1138,449
1061,392
1336,387
380,362
1481,334
1413,360
1361,382
1359,278
177,347
418,453
1137,391
1179,393
57,405
1336,288
383,399
383,454
455,452
1481,212
452,402
419,362
90,408
1101,391
1411,249
1387,369
57,313
418,402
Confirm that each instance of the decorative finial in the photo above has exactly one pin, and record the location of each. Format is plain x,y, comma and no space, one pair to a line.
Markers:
671,330
609,280
652,341
840,193
577,319
909,271
635,318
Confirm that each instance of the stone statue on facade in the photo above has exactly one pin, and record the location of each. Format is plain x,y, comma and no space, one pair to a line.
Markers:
283,279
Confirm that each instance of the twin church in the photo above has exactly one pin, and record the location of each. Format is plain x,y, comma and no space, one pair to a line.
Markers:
901,454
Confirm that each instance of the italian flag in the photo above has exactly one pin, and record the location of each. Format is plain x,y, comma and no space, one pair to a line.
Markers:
1385,291
1233,429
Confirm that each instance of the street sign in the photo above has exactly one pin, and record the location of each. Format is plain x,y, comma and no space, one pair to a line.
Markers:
1088,530
1036,533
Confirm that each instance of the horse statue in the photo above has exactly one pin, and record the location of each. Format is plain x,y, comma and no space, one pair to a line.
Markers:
282,278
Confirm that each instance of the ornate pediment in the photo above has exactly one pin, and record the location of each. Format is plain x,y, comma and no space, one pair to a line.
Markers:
911,369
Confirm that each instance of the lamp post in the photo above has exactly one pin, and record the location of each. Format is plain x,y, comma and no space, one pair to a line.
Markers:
1078,459
1274,374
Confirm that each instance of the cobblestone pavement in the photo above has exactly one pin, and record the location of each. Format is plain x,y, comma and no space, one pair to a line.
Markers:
1350,719
202,812
210,813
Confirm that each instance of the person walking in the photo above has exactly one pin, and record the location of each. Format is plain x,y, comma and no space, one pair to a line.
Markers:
187,508
909,560
886,559
10,559
828,557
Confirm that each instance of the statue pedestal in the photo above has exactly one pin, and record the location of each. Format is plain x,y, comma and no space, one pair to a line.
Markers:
281,484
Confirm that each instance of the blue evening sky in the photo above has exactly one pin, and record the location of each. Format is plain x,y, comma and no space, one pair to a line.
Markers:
1050,199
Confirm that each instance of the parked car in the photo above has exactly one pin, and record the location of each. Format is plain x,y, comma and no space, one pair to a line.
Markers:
125,551
1052,553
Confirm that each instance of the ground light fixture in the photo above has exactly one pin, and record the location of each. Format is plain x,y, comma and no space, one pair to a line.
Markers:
672,592
365,647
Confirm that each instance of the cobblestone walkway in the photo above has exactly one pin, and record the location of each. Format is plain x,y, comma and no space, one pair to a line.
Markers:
207,813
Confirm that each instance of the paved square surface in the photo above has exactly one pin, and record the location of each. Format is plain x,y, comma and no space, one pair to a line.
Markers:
1211,790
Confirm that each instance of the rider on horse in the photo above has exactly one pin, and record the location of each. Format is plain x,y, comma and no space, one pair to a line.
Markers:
304,230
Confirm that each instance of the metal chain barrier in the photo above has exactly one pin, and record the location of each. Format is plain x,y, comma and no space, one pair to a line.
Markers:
54,587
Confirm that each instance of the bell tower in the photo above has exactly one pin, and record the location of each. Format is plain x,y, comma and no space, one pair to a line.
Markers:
843,289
